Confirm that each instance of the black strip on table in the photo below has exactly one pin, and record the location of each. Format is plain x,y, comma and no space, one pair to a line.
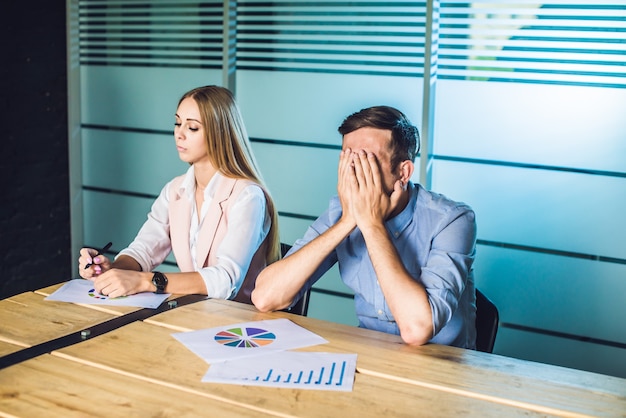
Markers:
94,331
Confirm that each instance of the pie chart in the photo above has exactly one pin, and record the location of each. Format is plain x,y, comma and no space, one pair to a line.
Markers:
245,337
92,293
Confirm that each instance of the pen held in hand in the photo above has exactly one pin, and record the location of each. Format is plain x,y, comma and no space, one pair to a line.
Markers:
104,249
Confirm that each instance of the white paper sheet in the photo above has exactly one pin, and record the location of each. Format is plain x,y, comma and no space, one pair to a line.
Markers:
247,339
296,370
82,291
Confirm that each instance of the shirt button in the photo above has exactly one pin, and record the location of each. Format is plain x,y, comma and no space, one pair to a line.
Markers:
395,234
380,312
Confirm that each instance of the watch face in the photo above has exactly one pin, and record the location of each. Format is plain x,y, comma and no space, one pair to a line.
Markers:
160,281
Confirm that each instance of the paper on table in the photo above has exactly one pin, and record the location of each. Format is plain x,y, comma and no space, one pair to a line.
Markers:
82,291
297,370
247,339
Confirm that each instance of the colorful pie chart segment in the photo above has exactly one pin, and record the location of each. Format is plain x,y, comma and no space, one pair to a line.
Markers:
245,337
92,293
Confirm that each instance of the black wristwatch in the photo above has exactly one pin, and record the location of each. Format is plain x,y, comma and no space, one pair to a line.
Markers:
160,281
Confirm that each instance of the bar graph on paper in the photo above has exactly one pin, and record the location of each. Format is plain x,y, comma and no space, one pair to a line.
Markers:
297,370
330,374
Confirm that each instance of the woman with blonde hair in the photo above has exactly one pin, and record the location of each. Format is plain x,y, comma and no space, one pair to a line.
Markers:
218,218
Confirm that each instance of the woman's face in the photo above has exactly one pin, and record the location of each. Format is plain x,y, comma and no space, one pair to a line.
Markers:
189,132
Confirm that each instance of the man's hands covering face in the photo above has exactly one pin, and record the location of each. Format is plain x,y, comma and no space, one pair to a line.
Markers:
361,188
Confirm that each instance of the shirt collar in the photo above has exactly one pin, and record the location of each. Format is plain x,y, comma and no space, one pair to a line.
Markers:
188,185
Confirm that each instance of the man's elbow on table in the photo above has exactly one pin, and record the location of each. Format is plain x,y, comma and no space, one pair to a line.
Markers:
416,334
260,302
265,300
262,294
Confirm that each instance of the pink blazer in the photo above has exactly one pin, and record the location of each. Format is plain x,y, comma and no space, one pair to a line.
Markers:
212,232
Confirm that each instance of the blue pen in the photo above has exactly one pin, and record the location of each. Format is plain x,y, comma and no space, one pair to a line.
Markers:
104,249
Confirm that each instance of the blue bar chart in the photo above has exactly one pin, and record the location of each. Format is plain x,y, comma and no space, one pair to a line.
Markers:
321,376
302,370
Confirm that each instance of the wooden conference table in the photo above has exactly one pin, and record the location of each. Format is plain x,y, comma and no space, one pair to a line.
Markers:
139,369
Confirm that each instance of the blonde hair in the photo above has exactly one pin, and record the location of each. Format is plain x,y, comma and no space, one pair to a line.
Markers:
228,147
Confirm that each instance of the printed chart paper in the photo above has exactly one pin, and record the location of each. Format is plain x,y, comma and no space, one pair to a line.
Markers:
296,370
247,339
82,291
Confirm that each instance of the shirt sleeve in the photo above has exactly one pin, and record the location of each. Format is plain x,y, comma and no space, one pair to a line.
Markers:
449,265
152,244
321,224
248,225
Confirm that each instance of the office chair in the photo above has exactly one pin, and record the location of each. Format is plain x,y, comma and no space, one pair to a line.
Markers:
302,306
487,319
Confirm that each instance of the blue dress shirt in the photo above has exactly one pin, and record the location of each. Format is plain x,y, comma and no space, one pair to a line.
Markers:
436,240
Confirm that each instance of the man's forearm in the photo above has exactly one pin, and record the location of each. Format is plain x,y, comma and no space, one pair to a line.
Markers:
280,282
407,299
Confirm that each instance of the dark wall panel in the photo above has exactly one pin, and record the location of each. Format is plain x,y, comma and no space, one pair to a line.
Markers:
34,213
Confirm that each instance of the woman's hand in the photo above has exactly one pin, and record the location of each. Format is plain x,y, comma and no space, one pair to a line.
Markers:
98,263
118,282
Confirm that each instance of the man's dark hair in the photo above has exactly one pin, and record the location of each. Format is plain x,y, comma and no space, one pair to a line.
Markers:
405,138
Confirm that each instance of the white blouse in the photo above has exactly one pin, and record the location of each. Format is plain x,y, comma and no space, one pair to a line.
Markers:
250,222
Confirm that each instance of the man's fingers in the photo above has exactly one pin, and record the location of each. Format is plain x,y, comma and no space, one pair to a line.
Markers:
374,170
367,170
359,169
345,167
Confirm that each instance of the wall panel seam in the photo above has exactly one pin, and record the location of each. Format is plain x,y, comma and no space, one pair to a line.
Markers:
568,336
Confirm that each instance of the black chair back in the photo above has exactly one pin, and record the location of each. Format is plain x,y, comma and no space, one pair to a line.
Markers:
487,319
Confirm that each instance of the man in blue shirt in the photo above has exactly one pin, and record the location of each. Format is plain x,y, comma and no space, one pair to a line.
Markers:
406,252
